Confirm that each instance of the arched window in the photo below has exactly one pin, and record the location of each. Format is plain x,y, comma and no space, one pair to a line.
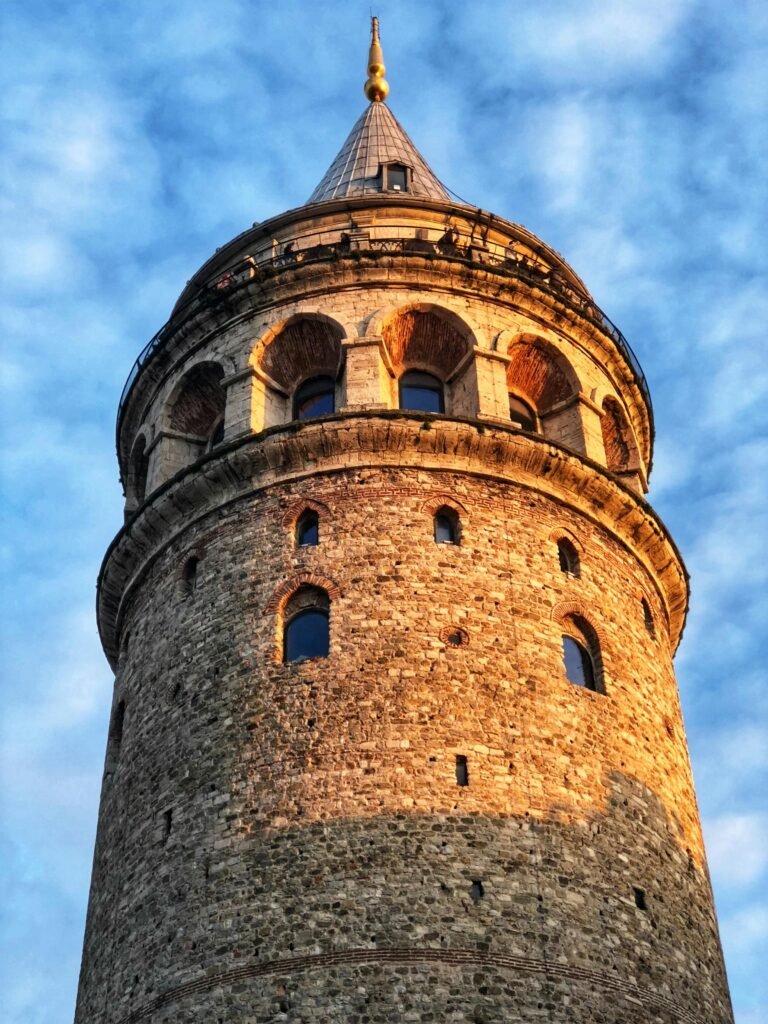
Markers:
579,668
307,529
421,392
568,557
648,618
446,526
315,397
522,414
306,629
189,575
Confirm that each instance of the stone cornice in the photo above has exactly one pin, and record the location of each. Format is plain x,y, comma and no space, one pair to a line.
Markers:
254,463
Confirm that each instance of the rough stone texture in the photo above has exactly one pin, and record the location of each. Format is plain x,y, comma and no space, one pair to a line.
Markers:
289,842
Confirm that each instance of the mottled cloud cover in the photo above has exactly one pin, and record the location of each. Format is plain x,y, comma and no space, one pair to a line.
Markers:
137,137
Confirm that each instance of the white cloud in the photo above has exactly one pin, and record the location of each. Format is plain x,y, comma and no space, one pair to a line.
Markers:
737,847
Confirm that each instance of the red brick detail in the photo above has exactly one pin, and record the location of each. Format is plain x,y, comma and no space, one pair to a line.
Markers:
447,957
619,449
437,501
540,373
564,610
292,513
425,339
454,636
303,579
563,533
199,400
306,346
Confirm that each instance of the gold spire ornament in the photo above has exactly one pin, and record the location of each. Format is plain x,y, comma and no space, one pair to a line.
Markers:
376,88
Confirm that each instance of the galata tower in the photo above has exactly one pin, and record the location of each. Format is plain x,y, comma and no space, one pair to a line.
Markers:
395,732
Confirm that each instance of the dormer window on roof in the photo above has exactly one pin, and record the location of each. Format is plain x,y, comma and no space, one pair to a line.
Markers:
395,177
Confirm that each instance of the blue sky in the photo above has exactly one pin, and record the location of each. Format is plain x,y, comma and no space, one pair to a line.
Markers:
629,134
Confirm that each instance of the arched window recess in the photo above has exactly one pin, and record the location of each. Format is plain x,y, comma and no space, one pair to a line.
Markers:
522,415
582,657
568,558
421,392
446,526
315,397
306,625
308,529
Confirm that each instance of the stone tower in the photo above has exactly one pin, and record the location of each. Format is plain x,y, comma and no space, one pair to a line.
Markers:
395,733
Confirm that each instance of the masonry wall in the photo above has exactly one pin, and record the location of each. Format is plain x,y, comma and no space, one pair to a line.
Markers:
289,842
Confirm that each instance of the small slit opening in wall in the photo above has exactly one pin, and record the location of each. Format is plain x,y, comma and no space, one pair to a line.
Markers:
167,823
462,770
640,901
476,890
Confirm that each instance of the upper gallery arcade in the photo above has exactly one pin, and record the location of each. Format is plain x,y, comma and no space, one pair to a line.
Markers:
383,295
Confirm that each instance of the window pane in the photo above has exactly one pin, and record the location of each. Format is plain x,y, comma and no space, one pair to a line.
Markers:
396,177
578,664
315,397
444,531
307,530
421,392
317,405
306,636
521,414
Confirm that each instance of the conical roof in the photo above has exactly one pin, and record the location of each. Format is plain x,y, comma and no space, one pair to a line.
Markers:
377,139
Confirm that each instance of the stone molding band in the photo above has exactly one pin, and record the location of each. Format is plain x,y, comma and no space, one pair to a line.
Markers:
444,957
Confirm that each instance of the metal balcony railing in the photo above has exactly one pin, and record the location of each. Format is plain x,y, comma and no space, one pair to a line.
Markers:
357,246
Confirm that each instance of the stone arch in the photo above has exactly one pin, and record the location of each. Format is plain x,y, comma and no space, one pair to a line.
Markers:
292,513
424,336
289,587
565,611
538,372
303,346
197,402
564,533
621,455
540,375
575,620
437,501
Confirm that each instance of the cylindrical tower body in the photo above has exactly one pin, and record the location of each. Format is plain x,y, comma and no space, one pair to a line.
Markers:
433,821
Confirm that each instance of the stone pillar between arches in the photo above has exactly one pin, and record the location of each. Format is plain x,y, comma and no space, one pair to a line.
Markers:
367,382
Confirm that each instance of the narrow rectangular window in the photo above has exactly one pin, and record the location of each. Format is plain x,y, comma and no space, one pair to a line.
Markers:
167,823
640,902
477,891
462,770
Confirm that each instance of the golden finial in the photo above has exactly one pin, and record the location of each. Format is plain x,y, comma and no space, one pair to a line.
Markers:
376,88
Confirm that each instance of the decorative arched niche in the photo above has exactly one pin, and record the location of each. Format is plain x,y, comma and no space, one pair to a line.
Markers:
296,370
543,391
136,482
192,420
428,350
621,454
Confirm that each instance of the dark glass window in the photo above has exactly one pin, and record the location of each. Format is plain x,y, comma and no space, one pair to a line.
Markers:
307,635
421,392
315,397
446,527
568,557
397,177
579,669
521,414
307,529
